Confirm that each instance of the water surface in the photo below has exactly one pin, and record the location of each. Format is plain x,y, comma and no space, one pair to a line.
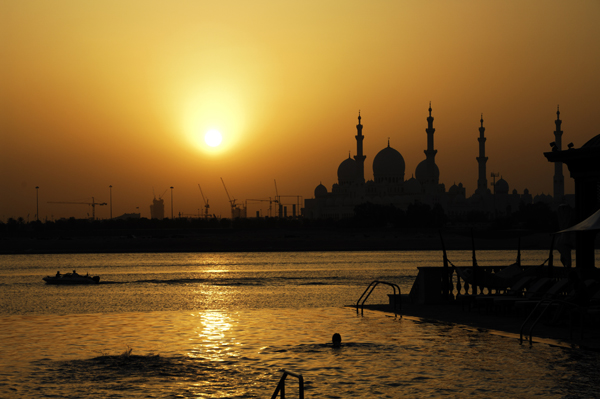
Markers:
224,325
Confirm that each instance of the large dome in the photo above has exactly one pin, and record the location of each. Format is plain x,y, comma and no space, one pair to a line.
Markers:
388,166
593,142
426,176
347,171
501,187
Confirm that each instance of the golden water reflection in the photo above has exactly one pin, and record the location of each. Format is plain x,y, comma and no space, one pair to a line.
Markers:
210,339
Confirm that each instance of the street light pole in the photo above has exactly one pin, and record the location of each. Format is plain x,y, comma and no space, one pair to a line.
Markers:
37,204
110,187
171,202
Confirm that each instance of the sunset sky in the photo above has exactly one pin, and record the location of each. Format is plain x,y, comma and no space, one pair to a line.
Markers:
121,93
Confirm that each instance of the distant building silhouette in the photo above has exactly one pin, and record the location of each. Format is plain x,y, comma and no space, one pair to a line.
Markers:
388,186
559,180
127,216
157,209
482,187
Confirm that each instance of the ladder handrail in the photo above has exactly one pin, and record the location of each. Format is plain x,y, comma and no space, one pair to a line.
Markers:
549,302
370,289
281,384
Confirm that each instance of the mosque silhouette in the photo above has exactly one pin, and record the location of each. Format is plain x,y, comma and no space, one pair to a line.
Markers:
389,187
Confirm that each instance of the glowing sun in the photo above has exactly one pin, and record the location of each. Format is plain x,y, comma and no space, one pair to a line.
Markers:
213,138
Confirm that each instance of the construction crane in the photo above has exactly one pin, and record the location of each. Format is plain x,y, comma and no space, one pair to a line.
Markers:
160,196
236,212
206,206
261,200
93,204
231,201
276,200
297,205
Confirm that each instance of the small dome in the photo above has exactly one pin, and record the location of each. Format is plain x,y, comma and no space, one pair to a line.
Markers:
347,171
412,186
453,190
515,192
320,191
424,175
501,187
388,166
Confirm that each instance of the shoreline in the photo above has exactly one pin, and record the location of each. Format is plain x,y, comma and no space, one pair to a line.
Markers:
274,240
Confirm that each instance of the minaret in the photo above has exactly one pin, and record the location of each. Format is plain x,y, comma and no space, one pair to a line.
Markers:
559,180
359,157
482,159
430,152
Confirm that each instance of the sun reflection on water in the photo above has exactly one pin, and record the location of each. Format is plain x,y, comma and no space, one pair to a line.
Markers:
211,335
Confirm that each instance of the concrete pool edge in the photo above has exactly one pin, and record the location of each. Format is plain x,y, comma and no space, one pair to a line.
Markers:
505,325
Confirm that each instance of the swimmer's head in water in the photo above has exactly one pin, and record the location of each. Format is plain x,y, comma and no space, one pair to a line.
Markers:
336,340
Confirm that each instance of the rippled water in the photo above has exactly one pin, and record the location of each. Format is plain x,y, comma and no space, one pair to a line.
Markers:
224,325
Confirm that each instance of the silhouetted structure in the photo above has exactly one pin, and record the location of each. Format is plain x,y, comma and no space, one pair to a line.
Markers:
127,216
559,179
482,185
584,166
388,186
157,209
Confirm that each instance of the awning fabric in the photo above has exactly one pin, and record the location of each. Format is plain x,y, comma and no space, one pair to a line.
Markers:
591,223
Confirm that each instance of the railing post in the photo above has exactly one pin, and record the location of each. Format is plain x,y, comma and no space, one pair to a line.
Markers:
445,281
474,284
281,385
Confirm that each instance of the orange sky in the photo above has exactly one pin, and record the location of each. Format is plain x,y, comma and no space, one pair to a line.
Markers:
121,93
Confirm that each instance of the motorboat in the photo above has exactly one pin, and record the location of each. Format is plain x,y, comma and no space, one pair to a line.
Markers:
71,279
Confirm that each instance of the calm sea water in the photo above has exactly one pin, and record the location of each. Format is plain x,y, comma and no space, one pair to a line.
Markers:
225,324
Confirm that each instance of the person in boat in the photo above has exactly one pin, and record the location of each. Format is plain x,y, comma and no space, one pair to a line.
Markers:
58,274
336,340
75,274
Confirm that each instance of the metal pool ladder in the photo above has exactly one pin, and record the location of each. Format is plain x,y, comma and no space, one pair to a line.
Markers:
281,385
547,305
397,301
